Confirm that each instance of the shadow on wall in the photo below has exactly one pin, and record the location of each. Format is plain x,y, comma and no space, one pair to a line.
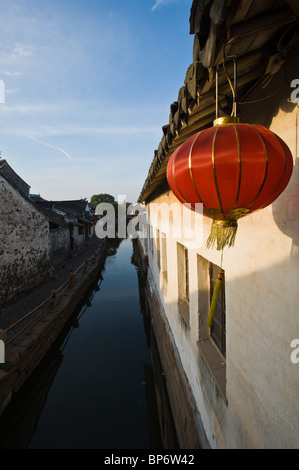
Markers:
286,210
261,386
256,110
272,95
261,370
261,379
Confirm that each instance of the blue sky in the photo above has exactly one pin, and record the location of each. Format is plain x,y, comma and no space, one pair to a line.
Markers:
88,87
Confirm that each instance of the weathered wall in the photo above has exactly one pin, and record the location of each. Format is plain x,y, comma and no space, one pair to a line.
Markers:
258,408
59,244
78,234
24,242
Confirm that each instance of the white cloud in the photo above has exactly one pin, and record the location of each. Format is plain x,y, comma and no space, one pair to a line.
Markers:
162,2
40,108
69,157
7,73
12,90
158,2
81,130
22,50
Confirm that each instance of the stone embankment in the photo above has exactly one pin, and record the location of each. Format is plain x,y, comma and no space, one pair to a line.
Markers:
33,322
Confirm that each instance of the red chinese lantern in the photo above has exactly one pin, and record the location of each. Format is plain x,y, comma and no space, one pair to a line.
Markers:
233,169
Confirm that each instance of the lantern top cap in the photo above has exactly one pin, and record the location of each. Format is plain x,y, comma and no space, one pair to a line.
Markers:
226,121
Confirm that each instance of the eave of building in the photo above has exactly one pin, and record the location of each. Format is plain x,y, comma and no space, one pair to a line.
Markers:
250,31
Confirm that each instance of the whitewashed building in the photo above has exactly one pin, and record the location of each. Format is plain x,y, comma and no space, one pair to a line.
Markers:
234,385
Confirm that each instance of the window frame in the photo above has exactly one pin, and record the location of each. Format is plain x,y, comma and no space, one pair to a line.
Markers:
209,351
158,249
183,282
164,264
220,310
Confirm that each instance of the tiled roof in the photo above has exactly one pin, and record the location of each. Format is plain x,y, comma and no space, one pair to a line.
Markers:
75,208
11,175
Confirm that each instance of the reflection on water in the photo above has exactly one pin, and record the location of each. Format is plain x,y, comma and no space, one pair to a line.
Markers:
97,387
154,374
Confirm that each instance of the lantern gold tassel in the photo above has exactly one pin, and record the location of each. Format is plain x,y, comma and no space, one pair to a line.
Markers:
215,298
223,233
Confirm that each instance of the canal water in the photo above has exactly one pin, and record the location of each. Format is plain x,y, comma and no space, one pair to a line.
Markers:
97,387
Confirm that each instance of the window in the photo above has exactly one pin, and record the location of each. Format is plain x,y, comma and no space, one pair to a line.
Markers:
212,341
183,282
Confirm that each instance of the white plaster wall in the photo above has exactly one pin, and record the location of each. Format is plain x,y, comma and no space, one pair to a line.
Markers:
262,306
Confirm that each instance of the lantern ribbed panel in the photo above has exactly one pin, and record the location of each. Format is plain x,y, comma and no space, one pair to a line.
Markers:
280,168
179,165
253,164
227,166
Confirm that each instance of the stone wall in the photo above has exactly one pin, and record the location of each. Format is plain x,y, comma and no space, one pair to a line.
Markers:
60,244
78,234
24,243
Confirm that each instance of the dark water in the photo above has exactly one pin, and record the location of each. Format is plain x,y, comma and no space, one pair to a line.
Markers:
95,389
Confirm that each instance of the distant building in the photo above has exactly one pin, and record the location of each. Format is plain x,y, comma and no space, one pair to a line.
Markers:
233,385
36,235
36,197
76,218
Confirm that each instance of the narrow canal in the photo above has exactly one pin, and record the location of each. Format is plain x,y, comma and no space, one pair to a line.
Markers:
97,387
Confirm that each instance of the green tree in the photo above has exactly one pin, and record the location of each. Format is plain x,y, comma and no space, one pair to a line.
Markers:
97,199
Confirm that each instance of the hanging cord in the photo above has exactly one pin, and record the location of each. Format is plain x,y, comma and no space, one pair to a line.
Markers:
233,87
266,79
217,288
260,28
292,41
264,84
